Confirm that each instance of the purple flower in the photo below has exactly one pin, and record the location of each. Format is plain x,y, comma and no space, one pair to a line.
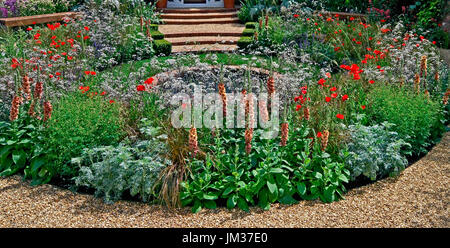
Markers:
4,12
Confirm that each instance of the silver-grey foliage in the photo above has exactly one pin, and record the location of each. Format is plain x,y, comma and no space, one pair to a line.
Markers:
375,151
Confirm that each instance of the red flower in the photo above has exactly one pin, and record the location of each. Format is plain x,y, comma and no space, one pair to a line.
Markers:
112,101
321,81
340,116
327,99
333,89
140,88
298,107
87,72
93,73
371,82
149,81
319,134
344,98
334,95
103,93
86,28
363,107
29,28
86,37
296,16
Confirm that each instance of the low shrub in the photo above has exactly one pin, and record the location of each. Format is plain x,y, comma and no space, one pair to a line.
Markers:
251,25
81,121
156,35
154,27
375,151
248,32
244,42
135,168
162,47
418,120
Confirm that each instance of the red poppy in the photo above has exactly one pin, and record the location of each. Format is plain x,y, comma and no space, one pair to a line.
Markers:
87,72
93,73
340,116
140,88
29,29
86,28
103,93
321,81
363,107
344,98
334,95
298,107
319,134
296,16
149,81
371,82
112,101
333,89
327,99
86,37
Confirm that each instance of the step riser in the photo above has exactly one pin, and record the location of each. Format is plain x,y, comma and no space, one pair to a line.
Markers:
202,35
171,22
182,17
203,42
196,11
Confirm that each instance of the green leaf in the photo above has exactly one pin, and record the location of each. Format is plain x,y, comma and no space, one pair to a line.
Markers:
301,188
19,158
276,170
36,164
263,199
317,175
210,204
209,196
242,204
232,201
343,178
272,187
287,199
228,191
197,206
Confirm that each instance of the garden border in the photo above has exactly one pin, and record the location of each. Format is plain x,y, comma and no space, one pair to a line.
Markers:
36,19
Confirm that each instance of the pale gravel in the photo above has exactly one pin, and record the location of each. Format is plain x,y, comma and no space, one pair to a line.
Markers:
419,197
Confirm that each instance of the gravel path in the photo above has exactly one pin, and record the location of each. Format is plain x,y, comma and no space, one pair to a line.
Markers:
418,198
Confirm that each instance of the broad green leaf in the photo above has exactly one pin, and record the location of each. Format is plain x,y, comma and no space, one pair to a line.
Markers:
231,202
19,158
272,187
197,206
301,188
210,204
242,204
287,199
209,196
228,191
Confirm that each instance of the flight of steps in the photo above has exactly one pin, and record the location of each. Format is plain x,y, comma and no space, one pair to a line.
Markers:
201,30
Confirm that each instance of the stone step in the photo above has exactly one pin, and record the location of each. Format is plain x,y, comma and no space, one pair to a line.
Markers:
200,34
201,21
197,10
204,48
201,28
179,16
203,40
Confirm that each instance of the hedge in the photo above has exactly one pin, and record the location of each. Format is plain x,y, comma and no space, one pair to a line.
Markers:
248,32
162,47
251,25
244,42
156,35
